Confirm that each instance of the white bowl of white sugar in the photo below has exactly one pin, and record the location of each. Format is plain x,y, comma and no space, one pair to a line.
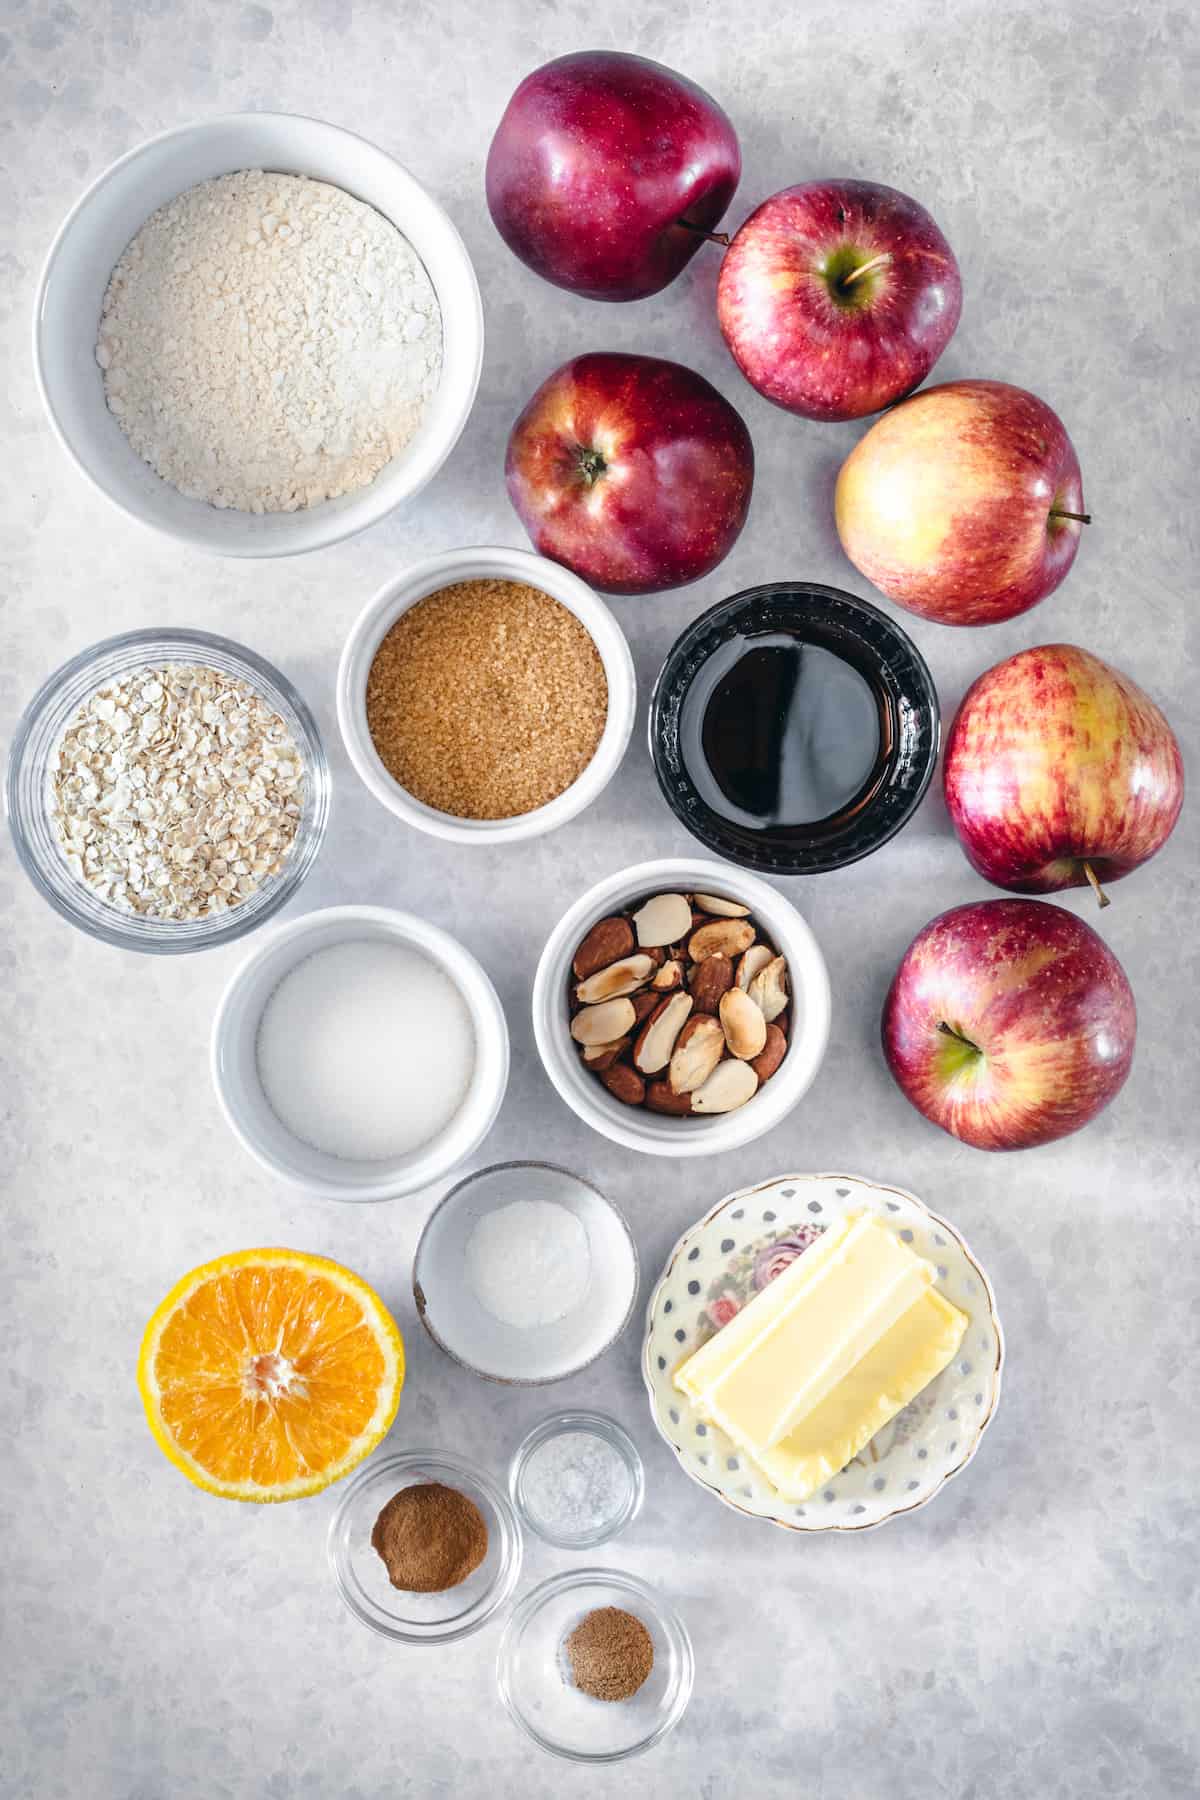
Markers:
258,334
360,1053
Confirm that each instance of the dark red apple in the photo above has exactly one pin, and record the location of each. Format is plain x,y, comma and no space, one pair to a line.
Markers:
964,503
607,172
1009,1023
634,472
1059,771
837,297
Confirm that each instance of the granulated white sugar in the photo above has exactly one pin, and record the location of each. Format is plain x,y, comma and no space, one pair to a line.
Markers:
529,1263
366,1050
269,342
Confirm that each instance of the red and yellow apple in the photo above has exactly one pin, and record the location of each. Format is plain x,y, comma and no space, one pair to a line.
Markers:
634,472
1009,1023
964,503
837,297
607,172
1058,771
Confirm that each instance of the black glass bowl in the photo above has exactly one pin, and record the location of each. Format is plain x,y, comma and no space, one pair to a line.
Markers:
907,720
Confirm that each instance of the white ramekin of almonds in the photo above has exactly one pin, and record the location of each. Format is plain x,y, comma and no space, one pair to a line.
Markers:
681,1008
258,334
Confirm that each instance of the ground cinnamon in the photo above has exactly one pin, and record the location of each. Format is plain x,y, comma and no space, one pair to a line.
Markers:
430,1537
611,1653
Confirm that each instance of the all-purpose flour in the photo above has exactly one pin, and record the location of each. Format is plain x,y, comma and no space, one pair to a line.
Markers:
269,342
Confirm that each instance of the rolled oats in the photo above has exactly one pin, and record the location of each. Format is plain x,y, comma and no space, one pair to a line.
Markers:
176,792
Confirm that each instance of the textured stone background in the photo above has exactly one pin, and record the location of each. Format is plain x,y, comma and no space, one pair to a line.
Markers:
1031,1634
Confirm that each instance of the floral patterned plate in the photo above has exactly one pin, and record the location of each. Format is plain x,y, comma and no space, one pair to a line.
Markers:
740,1246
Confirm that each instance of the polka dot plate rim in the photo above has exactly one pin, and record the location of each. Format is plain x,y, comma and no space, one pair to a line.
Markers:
726,1256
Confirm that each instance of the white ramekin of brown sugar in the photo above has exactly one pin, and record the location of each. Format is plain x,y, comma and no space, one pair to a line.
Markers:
489,716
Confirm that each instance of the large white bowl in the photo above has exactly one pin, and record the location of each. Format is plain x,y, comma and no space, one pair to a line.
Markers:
634,1126
113,210
235,1062
498,563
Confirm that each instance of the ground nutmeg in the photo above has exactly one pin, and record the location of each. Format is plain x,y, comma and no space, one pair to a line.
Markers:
611,1653
430,1537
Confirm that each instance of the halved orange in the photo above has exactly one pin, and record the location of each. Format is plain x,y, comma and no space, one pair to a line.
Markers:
268,1374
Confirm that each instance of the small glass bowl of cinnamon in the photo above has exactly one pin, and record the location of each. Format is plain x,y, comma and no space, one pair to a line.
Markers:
439,1615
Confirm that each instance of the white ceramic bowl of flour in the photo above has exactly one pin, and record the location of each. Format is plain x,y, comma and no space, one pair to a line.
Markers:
250,1049
89,246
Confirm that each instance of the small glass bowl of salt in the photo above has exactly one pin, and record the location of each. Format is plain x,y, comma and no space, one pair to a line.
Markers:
576,1480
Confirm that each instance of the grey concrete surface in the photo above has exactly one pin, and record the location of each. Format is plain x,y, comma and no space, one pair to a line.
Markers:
1031,1634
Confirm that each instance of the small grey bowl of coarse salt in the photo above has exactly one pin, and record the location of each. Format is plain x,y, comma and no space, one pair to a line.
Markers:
576,1480
525,1273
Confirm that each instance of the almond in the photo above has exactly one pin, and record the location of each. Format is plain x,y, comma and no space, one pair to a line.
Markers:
768,989
663,920
605,1023
723,937
660,1099
784,1021
645,1003
607,942
623,977
709,980
756,957
698,1049
770,1056
720,908
624,1084
669,976
743,1025
656,1040
603,1056
729,1086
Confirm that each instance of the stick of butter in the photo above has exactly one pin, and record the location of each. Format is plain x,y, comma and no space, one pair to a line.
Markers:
806,1347
906,1359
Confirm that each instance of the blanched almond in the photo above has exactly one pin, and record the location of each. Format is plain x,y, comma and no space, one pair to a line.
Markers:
720,908
668,977
768,989
709,980
729,1086
603,1056
656,1040
624,1084
660,1099
770,1056
607,942
724,937
623,977
698,1049
757,957
663,920
605,1023
743,1025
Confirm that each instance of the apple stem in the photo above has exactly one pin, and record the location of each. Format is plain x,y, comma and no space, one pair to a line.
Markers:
1099,892
950,1032
876,262
714,237
1057,512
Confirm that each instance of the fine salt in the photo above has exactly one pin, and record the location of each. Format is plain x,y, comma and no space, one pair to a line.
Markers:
529,1262
575,1484
365,1050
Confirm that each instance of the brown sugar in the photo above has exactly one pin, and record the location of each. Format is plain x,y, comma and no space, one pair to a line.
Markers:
487,699
611,1653
430,1537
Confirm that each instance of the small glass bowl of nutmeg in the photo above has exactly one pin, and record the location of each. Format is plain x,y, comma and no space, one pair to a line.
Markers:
681,1008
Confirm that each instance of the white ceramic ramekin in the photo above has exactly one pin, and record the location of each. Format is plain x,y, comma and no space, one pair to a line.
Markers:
655,1133
235,1066
482,562
113,210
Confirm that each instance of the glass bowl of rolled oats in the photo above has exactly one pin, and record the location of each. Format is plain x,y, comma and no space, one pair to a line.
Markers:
167,790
